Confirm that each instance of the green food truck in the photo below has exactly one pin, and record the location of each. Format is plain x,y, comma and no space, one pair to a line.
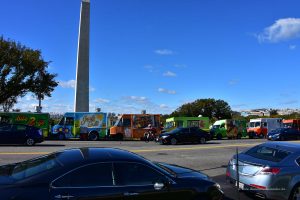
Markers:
175,122
39,120
222,129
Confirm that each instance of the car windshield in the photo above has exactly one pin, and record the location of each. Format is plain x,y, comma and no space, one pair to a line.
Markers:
216,126
268,153
175,130
35,166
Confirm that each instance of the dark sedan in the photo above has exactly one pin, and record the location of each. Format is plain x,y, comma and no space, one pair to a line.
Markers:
284,134
184,135
20,134
102,173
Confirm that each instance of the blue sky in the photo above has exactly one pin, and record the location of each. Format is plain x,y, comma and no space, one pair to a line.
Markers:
158,54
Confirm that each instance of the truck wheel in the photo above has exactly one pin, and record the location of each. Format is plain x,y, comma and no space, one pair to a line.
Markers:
29,142
93,136
219,136
61,136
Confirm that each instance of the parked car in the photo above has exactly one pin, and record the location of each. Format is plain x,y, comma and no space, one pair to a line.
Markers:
20,134
270,170
284,134
184,135
102,173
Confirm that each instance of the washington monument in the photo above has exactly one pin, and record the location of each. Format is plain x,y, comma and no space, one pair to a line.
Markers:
82,69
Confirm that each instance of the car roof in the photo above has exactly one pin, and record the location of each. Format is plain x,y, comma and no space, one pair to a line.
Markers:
97,154
285,146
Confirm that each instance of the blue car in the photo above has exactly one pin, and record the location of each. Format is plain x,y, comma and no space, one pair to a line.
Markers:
284,134
270,170
20,134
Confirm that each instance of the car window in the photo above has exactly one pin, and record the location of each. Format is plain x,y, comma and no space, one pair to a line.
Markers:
19,127
94,175
267,153
5,128
136,174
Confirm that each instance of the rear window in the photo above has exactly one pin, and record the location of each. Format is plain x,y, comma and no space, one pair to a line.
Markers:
268,153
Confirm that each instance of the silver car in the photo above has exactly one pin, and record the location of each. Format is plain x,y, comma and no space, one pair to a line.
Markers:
270,170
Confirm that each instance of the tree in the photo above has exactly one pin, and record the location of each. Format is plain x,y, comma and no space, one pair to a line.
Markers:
273,112
214,109
22,70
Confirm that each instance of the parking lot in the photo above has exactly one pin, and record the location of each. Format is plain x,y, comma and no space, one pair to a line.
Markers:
210,158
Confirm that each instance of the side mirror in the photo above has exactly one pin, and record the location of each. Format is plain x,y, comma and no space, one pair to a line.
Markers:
159,186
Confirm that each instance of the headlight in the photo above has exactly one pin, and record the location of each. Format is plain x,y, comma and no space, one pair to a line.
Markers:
164,136
218,186
40,132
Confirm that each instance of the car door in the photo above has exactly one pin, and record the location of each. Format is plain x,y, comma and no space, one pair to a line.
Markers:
18,133
5,134
141,182
90,182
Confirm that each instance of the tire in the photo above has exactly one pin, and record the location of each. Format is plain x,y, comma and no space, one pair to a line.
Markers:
29,142
219,136
173,141
202,140
93,136
61,136
295,192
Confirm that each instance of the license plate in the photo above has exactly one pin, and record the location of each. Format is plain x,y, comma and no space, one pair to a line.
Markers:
241,185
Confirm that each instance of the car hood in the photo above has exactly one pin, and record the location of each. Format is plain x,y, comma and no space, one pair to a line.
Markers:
182,172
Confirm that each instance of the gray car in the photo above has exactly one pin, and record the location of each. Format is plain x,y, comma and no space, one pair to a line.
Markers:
270,170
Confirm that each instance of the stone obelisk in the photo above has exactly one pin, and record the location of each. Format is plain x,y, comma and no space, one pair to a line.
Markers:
82,68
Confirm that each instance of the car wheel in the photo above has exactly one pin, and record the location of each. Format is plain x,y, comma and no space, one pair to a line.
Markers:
93,136
295,194
219,136
29,142
202,140
173,141
298,137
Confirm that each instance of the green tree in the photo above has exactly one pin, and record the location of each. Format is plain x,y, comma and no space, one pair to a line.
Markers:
22,70
214,109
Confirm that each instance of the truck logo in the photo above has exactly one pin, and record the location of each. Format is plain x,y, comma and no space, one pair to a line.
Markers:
21,118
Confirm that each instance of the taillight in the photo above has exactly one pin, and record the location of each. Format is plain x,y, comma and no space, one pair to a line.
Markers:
270,170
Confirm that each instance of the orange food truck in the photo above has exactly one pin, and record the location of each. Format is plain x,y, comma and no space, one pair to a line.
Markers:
134,126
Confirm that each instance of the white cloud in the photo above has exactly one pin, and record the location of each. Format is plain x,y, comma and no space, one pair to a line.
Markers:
292,47
67,84
137,99
180,66
169,73
100,100
92,89
163,106
164,52
233,82
281,30
162,90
